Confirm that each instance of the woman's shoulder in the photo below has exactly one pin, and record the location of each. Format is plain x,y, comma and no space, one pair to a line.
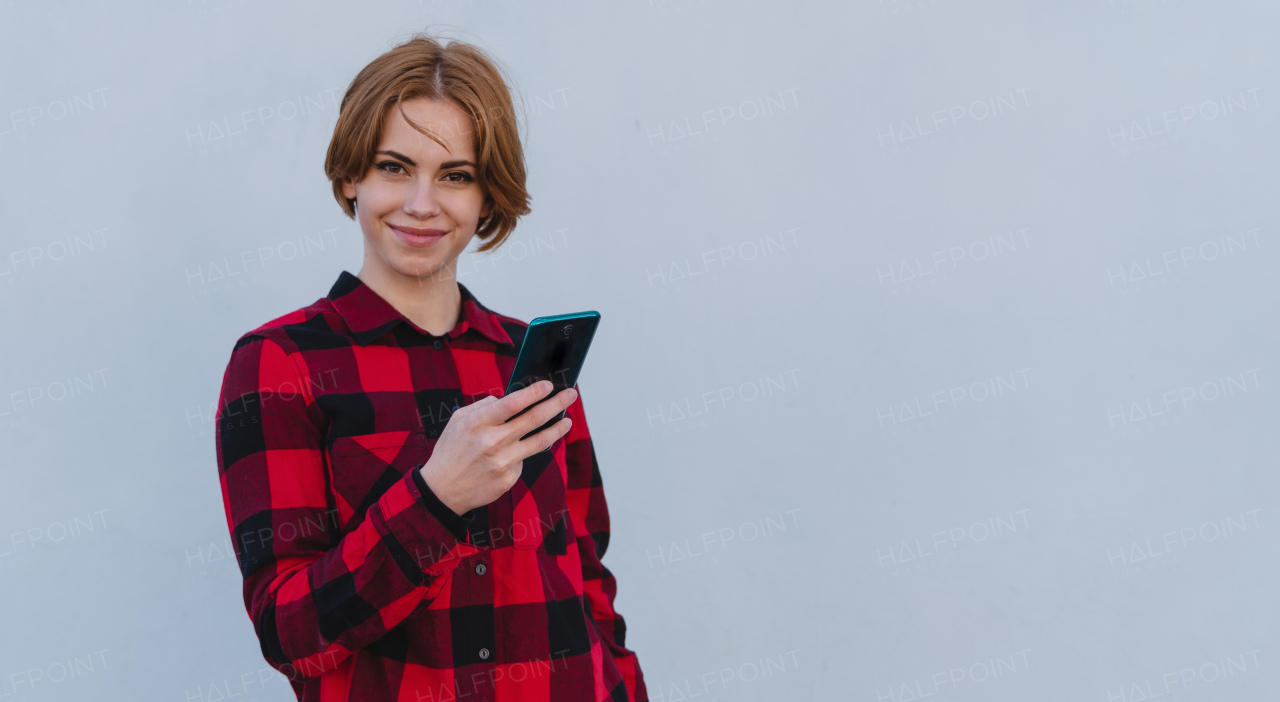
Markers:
283,329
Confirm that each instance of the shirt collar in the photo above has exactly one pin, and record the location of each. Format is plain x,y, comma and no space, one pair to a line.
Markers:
368,316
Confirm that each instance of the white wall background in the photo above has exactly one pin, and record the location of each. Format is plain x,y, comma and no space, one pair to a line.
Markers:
938,344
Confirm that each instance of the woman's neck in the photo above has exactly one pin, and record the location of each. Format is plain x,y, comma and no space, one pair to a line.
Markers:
433,303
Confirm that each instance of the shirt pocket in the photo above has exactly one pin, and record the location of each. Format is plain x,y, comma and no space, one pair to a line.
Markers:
364,466
539,516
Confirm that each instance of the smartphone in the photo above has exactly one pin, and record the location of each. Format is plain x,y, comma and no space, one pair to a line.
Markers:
554,349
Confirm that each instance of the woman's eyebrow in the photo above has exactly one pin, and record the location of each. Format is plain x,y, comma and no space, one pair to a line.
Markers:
398,155
409,161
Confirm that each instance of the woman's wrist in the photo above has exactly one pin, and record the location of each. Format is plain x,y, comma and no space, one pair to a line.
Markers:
440,491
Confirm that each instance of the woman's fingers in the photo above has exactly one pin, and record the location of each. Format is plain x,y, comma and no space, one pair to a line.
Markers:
503,408
542,413
545,438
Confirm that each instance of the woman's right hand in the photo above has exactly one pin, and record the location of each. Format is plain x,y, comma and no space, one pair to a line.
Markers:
479,455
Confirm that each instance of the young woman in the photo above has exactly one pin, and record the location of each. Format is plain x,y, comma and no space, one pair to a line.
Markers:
398,540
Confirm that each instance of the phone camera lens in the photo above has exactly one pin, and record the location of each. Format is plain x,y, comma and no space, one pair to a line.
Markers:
568,328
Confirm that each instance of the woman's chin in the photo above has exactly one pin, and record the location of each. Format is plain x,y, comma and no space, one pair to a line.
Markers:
425,269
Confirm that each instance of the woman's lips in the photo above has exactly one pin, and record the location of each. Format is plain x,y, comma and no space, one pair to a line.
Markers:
418,237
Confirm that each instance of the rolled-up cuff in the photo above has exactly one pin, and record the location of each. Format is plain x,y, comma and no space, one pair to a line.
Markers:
455,523
424,542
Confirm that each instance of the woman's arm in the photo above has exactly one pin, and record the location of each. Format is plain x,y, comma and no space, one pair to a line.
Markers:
590,514
314,598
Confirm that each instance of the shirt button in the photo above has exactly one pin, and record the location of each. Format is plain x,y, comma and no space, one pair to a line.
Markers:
439,344
484,654
480,569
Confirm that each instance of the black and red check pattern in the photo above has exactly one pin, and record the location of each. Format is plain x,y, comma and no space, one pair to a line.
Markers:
360,583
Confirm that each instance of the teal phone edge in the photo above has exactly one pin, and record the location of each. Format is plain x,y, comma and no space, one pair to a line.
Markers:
522,358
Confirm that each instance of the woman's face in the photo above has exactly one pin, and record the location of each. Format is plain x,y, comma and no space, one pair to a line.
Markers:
420,202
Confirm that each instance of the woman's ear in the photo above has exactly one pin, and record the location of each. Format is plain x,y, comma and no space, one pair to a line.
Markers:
348,190
488,207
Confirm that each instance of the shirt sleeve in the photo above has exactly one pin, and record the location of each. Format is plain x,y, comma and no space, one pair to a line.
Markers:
457,524
314,595
590,515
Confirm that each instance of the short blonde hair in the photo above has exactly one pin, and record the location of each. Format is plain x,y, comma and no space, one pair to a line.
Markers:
459,73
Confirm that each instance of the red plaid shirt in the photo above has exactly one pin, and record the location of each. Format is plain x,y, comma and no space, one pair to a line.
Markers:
361,584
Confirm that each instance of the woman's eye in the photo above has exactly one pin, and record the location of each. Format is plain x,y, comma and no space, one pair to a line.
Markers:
389,165
464,177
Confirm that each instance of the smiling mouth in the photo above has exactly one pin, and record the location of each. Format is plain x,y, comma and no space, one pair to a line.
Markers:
414,236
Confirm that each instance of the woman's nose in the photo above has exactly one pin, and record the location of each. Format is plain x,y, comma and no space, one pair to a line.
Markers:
422,202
